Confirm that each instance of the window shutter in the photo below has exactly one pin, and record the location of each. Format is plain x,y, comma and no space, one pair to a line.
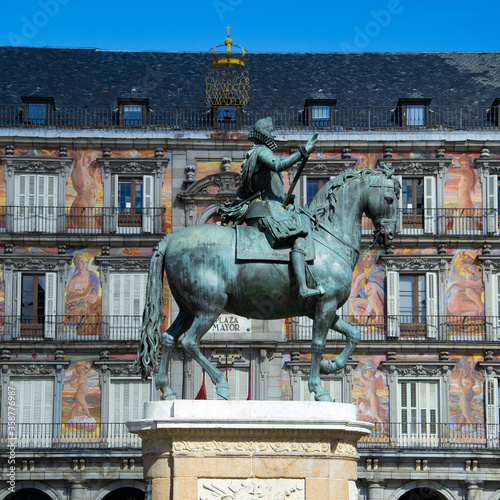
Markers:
127,294
493,322
115,202
24,216
431,299
50,305
16,304
332,385
148,203
238,383
34,400
492,204
392,278
46,203
399,227
491,402
430,205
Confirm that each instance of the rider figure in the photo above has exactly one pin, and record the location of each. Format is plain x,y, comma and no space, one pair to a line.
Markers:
262,179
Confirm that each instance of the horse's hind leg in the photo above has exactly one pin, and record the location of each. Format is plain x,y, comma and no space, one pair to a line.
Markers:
353,335
168,339
191,344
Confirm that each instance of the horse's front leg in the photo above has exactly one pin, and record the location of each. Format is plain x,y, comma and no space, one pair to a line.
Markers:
353,335
320,331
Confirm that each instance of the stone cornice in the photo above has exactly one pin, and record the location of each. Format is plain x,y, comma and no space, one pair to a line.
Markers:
36,165
137,264
39,263
413,166
489,368
224,182
303,368
409,263
124,166
416,368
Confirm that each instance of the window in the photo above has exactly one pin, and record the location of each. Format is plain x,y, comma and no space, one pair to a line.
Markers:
331,385
134,203
132,189
34,305
126,403
34,404
418,205
227,116
237,378
35,203
418,409
492,304
493,198
319,112
412,112
311,186
494,111
132,111
38,110
412,305
127,293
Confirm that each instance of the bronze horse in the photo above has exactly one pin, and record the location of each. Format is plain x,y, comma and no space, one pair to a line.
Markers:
206,279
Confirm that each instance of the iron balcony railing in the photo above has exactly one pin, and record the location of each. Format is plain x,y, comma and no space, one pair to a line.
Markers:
443,222
432,435
112,220
61,436
294,118
71,327
82,220
409,328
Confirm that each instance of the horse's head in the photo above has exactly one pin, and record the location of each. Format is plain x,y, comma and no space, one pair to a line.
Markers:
382,204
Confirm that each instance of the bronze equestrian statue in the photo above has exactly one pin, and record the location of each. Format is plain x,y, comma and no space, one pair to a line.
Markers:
210,270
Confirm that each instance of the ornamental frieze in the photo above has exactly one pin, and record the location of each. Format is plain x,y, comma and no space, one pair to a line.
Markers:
438,166
137,166
45,264
409,263
120,264
39,165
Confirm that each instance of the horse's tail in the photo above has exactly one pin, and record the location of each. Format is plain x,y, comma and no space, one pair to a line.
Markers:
147,359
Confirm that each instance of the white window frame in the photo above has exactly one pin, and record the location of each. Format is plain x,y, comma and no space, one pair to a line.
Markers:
492,204
152,173
411,428
129,288
430,206
432,302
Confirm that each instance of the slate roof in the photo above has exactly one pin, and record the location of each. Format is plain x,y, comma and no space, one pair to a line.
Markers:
94,77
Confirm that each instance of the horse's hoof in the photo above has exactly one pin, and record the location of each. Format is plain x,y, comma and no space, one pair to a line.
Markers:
222,390
168,396
323,396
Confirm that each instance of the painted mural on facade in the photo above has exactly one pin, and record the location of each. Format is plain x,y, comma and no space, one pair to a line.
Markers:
370,390
83,309
466,398
367,302
81,397
465,296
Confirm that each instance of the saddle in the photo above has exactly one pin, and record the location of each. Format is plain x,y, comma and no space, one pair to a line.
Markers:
252,244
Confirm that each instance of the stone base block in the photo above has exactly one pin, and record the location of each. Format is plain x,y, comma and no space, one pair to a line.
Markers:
214,450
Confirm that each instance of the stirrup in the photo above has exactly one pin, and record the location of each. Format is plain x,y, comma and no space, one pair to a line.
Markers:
312,292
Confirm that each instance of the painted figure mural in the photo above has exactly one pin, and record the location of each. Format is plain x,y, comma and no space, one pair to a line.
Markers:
85,179
368,290
82,296
465,289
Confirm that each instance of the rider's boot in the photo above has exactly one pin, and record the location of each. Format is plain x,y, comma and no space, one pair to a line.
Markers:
298,259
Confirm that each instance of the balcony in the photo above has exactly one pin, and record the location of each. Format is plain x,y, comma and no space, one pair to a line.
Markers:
344,118
432,436
408,328
443,222
71,328
83,221
67,436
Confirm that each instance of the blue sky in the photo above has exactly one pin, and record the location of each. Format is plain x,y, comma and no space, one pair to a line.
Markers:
259,26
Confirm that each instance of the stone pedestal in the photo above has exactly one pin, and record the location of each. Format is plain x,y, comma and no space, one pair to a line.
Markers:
215,450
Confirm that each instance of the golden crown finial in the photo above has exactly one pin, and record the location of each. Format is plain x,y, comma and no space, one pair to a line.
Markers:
226,58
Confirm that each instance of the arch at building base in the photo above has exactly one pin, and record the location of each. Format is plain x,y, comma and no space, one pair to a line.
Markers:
28,494
125,494
119,486
433,490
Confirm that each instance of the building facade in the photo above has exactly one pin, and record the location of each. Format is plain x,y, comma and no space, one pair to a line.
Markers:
104,152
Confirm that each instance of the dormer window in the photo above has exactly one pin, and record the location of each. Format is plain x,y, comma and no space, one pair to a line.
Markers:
412,112
494,111
38,110
319,112
132,112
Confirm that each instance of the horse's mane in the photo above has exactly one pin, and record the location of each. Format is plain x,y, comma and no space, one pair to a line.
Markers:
326,198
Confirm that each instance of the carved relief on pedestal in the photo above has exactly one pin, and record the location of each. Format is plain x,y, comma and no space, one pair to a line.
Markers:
270,489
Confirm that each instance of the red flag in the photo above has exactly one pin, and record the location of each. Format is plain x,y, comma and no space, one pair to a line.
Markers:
227,369
202,393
